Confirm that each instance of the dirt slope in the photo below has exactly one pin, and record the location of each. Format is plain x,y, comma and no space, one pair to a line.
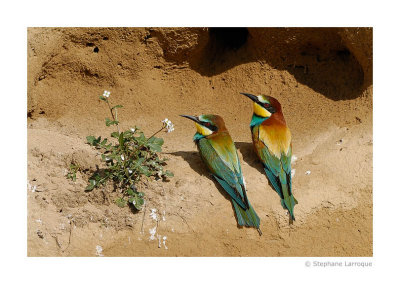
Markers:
321,77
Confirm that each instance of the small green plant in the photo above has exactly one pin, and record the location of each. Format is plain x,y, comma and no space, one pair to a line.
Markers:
128,156
73,169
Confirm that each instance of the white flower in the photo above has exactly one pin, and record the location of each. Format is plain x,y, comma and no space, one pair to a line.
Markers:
130,171
168,125
164,239
99,251
159,241
106,94
153,214
133,130
152,233
122,157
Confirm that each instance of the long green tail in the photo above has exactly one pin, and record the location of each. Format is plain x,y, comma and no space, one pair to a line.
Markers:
247,217
289,202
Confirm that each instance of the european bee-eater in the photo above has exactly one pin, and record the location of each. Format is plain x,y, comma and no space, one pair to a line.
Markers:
272,142
219,153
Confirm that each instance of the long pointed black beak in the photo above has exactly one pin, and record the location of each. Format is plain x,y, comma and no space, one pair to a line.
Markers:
195,119
251,97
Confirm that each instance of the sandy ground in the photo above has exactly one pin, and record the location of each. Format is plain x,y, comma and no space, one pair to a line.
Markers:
322,79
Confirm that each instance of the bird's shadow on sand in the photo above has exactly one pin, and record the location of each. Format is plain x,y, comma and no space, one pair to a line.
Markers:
196,163
250,157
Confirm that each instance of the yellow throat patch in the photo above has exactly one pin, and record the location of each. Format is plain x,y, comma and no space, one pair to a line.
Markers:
260,111
203,130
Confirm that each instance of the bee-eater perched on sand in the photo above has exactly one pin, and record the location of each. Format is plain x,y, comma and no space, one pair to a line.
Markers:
219,153
273,145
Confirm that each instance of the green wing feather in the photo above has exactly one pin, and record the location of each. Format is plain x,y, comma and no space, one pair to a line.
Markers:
278,171
221,158
222,167
226,150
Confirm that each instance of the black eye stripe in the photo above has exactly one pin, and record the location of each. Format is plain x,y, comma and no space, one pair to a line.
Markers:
210,126
264,104
267,106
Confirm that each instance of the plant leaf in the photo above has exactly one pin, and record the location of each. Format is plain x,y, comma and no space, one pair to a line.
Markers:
90,139
137,200
155,143
103,143
110,122
115,134
121,202
91,186
141,139
121,139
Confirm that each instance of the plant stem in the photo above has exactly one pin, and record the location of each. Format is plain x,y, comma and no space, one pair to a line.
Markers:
144,213
112,114
116,118
156,133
